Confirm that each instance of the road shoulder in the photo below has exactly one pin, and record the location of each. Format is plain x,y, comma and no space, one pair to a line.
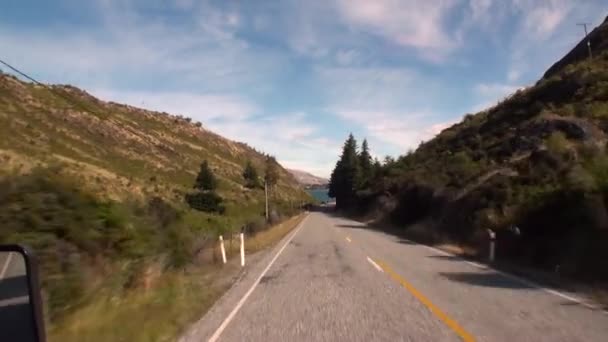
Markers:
244,278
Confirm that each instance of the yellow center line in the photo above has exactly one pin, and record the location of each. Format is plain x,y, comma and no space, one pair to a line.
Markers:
464,335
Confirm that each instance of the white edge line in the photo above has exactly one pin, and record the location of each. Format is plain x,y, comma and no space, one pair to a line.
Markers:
519,279
238,306
6,263
374,264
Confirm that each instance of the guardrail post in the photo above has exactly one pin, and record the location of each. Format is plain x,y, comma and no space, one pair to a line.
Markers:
492,245
223,249
242,249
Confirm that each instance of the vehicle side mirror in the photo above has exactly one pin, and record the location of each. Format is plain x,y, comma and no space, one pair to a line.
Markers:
20,302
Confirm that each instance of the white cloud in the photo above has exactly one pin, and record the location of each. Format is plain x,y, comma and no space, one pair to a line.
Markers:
480,9
404,130
319,28
291,138
544,31
540,19
369,87
202,107
418,24
346,57
129,47
388,103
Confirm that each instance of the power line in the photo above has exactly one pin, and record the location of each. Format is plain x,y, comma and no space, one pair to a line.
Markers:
58,94
20,72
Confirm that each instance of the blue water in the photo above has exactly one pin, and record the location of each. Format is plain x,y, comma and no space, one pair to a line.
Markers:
319,194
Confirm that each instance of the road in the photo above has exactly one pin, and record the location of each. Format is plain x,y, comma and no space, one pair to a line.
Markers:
334,279
15,313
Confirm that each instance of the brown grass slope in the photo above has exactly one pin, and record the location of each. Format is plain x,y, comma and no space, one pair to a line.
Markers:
97,190
119,150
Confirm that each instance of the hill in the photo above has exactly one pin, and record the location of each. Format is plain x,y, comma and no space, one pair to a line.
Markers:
97,189
307,179
119,150
536,160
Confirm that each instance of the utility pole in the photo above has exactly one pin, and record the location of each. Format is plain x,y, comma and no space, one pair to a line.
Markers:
584,25
266,197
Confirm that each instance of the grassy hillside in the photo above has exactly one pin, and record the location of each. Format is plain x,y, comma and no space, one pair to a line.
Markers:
120,150
537,160
97,189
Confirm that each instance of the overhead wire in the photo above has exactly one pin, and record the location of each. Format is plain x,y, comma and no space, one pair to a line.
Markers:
56,93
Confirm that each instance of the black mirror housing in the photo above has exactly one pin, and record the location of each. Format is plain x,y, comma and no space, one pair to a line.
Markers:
21,317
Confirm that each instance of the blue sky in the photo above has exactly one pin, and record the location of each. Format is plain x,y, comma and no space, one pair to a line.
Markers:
293,78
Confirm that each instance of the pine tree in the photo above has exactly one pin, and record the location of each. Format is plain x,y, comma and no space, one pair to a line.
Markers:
271,174
204,197
365,166
389,161
205,180
250,174
344,176
376,170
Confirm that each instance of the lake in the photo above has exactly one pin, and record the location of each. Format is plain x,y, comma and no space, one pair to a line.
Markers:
319,194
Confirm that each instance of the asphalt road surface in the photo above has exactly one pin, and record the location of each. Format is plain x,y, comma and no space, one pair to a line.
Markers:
15,313
334,280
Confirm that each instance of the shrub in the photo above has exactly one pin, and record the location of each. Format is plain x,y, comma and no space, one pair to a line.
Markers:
256,225
180,243
73,233
557,143
207,201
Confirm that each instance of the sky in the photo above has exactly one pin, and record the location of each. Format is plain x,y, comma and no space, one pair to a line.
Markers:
293,78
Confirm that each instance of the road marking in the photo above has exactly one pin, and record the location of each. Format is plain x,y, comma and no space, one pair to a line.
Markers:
463,334
374,264
348,239
518,279
437,250
238,306
6,263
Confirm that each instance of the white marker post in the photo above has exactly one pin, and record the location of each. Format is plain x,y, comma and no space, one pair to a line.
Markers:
222,249
242,249
492,244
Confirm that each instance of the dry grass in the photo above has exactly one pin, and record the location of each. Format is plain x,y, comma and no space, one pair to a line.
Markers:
158,314
271,236
261,240
162,312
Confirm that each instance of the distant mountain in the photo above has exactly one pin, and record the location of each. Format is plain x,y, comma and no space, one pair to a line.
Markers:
308,179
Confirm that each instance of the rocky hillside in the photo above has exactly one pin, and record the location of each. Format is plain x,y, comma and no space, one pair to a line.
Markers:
537,160
119,151
307,179
598,38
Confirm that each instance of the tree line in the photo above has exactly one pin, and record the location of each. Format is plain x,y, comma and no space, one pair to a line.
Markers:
204,196
354,174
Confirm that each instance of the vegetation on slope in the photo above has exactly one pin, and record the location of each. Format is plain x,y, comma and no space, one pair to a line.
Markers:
97,189
536,160
121,150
